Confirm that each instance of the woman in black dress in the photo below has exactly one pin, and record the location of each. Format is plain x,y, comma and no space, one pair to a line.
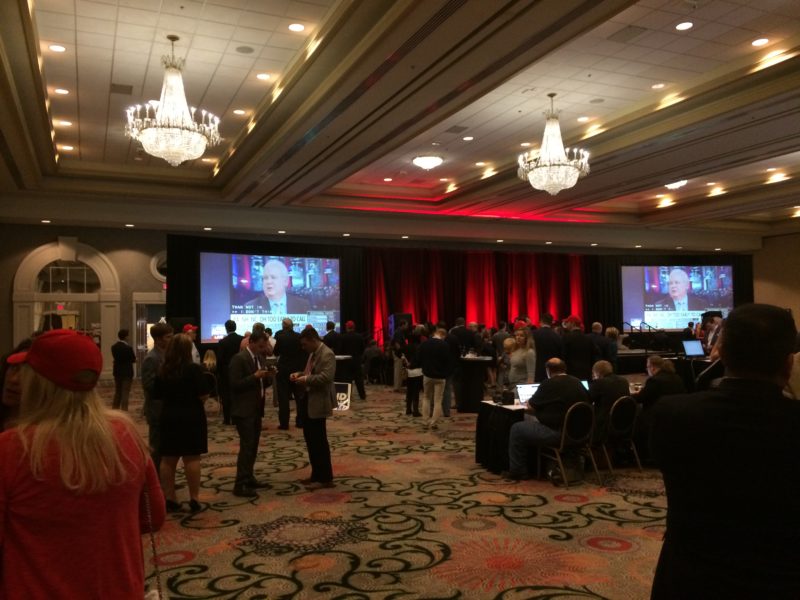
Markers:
181,386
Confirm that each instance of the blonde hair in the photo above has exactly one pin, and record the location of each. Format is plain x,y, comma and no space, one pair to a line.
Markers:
82,429
210,360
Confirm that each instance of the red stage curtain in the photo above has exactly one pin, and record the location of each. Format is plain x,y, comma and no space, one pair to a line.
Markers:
377,303
433,291
480,276
576,285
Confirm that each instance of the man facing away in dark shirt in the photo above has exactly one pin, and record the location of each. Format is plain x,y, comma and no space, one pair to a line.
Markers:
729,459
605,388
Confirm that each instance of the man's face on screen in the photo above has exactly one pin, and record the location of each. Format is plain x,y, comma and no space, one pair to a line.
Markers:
275,281
678,284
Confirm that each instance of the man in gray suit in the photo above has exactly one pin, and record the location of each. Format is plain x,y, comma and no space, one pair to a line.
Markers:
317,379
248,380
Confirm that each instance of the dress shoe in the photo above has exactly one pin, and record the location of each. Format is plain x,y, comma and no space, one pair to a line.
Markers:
173,506
258,485
318,485
245,492
194,506
514,476
283,427
306,481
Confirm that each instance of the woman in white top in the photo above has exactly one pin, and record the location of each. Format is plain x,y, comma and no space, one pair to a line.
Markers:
522,359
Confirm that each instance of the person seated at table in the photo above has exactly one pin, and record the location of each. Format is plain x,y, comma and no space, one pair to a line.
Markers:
605,388
522,361
662,381
549,407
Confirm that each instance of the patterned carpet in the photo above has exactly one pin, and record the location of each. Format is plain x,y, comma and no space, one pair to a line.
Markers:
411,517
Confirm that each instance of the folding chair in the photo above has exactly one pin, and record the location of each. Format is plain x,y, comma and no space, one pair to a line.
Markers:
576,433
621,425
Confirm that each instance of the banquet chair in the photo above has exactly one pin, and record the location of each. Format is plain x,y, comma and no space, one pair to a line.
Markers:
621,425
211,381
576,434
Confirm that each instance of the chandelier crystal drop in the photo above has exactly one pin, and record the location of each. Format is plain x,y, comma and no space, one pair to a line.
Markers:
553,168
169,129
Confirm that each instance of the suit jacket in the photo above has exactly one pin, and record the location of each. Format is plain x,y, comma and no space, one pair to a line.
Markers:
247,399
554,397
294,304
227,347
580,354
124,357
694,303
603,393
729,460
319,383
548,345
332,340
291,357
352,343
659,385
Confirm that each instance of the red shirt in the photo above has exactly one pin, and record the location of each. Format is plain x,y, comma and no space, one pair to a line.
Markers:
58,544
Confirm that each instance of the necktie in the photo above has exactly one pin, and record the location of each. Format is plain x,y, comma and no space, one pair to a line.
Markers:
309,364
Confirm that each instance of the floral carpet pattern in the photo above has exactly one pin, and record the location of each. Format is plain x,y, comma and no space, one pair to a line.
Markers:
412,517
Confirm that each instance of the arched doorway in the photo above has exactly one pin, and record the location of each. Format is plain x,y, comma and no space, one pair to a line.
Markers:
67,283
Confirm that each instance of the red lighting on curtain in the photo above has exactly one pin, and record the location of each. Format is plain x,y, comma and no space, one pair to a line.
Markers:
576,285
378,303
480,276
434,287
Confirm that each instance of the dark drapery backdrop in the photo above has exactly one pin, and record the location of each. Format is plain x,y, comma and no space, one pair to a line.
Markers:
442,284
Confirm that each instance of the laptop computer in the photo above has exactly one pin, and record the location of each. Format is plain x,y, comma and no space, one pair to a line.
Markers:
525,391
585,384
693,349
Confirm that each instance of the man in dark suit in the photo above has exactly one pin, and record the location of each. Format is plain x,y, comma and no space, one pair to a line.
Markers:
248,379
580,352
605,388
729,460
227,347
601,342
351,343
291,358
317,380
679,297
124,357
549,407
332,337
276,300
548,345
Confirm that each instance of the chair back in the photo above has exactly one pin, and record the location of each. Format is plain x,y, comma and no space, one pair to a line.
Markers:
211,382
578,425
622,417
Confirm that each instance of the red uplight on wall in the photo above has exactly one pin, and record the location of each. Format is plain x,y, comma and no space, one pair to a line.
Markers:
59,307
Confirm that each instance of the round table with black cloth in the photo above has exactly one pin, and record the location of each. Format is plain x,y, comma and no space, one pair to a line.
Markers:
184,431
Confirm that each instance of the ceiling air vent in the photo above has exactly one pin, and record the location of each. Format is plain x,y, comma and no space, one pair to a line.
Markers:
118,88
626,34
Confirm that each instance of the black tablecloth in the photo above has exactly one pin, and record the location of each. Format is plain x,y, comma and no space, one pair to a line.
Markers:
491,435
472,377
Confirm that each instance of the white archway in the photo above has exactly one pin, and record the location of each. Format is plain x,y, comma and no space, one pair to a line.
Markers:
25,293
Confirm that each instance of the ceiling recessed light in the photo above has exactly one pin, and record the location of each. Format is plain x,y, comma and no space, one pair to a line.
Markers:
387,179
771,169
665,202
427,162
345,235
685,26
46,221
436,144
717,249
57,48
716,191
444,179
129,225
61,91
405,237
657,86
480,164
712,183
281,231
583,119
760,42
776,177
593,244
548,243
296,27
238,111
64,123
525,144
208,228
500,241
208,159
468,138
68,148
678,247
263,76
676,184
638,246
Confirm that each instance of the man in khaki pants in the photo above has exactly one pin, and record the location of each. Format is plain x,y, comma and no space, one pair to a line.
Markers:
437,365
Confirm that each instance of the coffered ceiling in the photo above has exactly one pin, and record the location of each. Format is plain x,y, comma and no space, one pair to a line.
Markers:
322,143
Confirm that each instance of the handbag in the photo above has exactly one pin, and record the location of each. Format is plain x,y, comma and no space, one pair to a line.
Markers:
157,593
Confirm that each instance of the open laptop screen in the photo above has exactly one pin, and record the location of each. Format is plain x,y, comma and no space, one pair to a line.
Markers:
585,384
693,348
525,391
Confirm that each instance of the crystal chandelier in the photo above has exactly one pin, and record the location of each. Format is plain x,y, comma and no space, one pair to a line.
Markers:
167,129
550,168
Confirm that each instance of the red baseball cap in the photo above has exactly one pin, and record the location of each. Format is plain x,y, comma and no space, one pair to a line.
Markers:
350,325
69,359
189,327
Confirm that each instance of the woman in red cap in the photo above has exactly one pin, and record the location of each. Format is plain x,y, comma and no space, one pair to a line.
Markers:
73,479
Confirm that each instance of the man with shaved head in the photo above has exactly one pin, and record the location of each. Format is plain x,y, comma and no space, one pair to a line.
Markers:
679,297
275,281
